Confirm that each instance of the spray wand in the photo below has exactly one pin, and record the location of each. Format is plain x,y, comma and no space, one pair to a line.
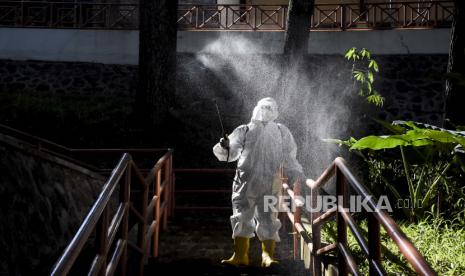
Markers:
222,128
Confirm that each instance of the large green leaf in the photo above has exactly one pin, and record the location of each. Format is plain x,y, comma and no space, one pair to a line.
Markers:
379,142
347,143
413,135
396,129
416,138
421,143
445,137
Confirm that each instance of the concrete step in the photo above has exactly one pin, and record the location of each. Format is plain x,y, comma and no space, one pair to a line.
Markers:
196,241
202,266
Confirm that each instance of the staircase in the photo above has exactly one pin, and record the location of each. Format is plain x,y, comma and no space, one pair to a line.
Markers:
203,190
153,226
196,241
199,235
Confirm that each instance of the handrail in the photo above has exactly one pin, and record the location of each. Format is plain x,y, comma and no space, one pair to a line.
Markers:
223,17
41,143
406,247
149,218
377,218
73,154
77,243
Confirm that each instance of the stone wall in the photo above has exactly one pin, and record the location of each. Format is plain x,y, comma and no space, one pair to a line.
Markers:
66,78
43,200
412,85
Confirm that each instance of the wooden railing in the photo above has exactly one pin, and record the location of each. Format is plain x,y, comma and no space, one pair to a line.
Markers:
146,203
85,157
371,248
232,17
149,209
344,16
388,15
206,191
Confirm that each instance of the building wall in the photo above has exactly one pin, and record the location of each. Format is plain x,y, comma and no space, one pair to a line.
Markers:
121,47
411,84
236,69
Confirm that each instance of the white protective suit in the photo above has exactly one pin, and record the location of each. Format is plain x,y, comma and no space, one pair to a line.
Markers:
261,148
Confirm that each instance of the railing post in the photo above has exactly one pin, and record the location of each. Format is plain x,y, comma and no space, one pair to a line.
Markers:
226,24
107,16
254,15
102,241
142,227
173,187
50,23
21,18
297,219
196,16
316,233
343,17
283,215
255,18
341,224
166,193
375,17
284,22
404,11
374,246
125,199
156,213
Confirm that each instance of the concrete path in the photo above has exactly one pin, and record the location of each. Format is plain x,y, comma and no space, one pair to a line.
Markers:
195,243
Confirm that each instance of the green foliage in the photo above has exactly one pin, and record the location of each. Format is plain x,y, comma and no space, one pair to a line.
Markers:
363,70
427,155
409,135
441,243
431,185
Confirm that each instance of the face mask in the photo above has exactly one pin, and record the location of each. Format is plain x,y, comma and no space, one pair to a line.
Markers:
265,111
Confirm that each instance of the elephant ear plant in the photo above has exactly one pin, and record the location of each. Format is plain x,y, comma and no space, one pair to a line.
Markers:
430,164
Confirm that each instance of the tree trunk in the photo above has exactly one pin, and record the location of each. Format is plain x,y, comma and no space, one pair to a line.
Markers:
455,91
295,42
298,24
157,60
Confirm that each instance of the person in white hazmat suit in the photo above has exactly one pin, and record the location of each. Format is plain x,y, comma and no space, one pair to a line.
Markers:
261,148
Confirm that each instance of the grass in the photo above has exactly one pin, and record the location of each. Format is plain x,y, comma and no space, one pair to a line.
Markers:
441,242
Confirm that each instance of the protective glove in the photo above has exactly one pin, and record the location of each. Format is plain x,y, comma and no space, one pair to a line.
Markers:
224,142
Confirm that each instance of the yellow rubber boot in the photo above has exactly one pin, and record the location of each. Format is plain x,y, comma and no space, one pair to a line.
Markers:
241,252
268,247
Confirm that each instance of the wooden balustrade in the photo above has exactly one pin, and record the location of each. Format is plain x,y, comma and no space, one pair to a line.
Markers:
224,17
370,245
150,217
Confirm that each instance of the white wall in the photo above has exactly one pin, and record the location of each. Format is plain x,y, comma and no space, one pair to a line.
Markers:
121,47
69,45
419,41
